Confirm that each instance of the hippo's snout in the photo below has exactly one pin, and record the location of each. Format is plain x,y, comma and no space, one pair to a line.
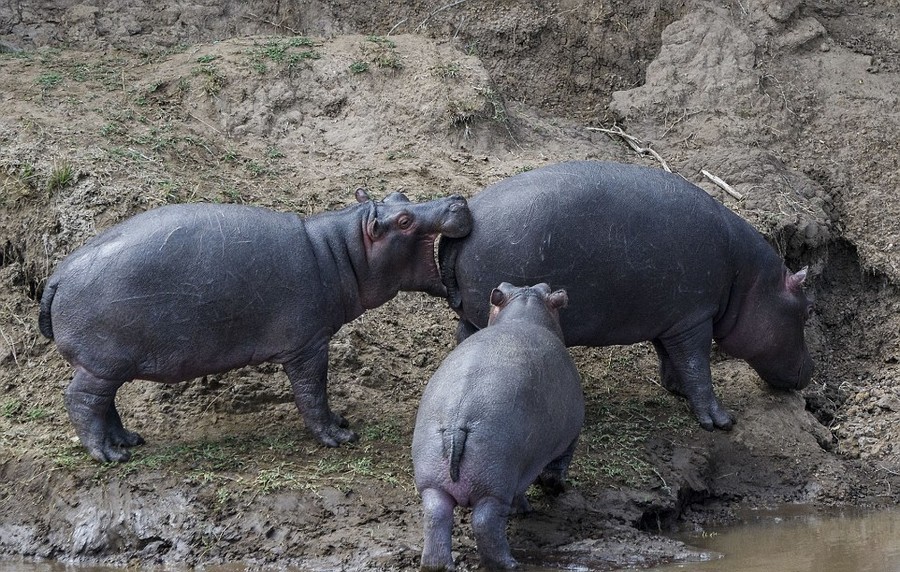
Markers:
788,378
806,372
457,221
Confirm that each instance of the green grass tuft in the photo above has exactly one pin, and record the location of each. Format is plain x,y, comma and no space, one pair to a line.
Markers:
63,175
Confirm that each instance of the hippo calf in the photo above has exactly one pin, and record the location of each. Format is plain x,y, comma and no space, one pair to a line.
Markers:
183,291
503,409
643,255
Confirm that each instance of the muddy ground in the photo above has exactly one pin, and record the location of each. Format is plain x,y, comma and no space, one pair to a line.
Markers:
111,108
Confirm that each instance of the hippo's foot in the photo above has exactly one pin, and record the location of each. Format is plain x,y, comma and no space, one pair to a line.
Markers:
551,482
711,414
110,445
520,505
125,438
335,433
107,453
552,479
502,564
308,375
684,371
438,568
90,402
116,432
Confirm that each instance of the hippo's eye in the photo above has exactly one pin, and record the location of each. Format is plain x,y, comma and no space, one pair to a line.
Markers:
404,221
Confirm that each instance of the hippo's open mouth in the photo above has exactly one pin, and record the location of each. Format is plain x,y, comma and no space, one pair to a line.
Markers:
434,285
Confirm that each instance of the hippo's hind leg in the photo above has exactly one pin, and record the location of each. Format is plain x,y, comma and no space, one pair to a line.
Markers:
437,510
118,434
688,357
667,375
489,518
553,478
90,402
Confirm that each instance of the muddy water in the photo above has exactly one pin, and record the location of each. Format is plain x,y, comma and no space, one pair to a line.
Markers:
799,540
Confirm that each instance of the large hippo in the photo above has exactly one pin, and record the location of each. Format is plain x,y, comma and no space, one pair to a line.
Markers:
643,255
184,291
504,408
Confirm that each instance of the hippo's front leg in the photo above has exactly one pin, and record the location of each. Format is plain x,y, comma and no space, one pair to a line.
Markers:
553,478
464,329
684,366
308,374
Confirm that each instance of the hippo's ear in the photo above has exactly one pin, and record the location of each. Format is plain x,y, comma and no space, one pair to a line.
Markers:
362,196
558,299
396,197
497,297
794,282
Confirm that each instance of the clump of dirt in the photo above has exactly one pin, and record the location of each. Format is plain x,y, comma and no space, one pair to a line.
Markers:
113,108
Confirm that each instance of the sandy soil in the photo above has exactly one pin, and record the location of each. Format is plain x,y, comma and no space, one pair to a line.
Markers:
112,108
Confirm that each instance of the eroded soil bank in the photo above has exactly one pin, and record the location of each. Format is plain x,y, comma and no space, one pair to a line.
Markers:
113,108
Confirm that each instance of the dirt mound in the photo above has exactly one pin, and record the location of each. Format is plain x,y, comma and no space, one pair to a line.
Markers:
113,108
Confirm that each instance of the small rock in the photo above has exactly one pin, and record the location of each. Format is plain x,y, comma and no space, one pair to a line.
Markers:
889,403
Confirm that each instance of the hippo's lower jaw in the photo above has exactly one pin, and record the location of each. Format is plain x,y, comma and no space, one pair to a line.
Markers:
788,383
429,281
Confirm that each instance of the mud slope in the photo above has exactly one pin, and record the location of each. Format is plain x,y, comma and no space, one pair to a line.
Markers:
116,107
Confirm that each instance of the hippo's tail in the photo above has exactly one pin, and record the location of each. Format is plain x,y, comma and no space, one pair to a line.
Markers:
448,251
455,444
45,323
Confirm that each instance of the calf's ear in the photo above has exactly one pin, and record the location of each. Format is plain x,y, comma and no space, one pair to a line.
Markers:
794,282
558,299
497,297
361,195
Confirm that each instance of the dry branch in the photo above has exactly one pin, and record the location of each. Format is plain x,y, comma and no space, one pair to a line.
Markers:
634,143
441,9
253,17
722,184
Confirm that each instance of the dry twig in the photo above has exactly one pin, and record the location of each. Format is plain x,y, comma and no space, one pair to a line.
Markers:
252,16
441,9
722,184
634,143
12,347
401,22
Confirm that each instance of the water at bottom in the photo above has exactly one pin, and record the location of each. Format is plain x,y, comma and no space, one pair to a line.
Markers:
799,539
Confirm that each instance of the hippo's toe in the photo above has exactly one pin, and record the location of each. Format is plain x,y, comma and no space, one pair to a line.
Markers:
125,438
335,435
714,416
108,453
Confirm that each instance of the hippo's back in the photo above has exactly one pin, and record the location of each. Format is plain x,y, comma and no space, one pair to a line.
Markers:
181,289
638,250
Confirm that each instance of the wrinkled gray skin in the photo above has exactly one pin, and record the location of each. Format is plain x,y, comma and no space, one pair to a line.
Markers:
503,409
643,255
183,291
